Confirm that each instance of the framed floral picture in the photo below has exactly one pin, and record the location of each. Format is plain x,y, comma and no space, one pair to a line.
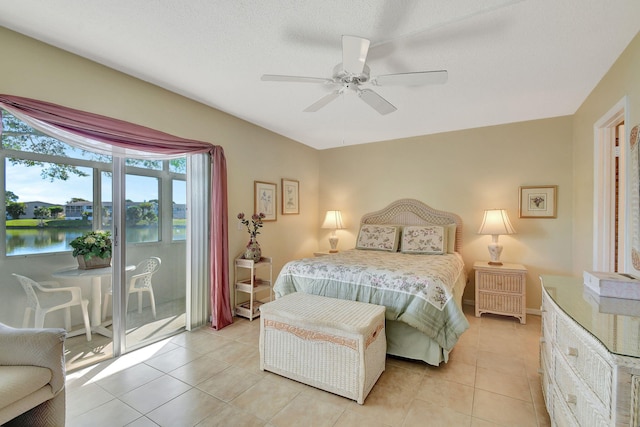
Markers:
265,200
538,201
290,197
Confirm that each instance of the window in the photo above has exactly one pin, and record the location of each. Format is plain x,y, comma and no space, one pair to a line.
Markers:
55,192
179,211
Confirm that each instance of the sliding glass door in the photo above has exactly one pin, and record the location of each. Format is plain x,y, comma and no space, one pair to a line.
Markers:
54,193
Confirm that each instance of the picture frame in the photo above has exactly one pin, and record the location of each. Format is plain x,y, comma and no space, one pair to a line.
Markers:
290,196
265,200
539,201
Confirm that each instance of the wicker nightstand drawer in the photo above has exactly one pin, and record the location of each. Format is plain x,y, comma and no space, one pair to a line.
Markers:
501,290
509,283
502,304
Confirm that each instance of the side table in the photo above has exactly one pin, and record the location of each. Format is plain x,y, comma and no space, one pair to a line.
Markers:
501,289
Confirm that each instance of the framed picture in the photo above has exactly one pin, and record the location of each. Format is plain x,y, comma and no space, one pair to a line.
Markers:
538,201
290,197
265,200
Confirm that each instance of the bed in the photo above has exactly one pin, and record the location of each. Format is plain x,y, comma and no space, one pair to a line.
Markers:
407,258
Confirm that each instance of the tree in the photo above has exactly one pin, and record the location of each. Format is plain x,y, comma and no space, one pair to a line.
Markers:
41,213
134,214
10,196
56,211
15,209
147,212
17,135
76,199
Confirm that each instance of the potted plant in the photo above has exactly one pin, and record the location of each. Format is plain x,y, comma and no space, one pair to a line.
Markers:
92,249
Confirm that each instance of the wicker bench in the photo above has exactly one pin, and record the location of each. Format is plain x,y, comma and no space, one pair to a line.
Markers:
334,345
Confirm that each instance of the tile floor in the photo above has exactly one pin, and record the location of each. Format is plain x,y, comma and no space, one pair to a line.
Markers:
142,327
209,378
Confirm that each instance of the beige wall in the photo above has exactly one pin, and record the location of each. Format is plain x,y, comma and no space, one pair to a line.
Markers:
464,172
623,79
33,69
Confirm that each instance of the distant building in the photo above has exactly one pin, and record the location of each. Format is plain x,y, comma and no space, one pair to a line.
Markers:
32,206
179,211
76,210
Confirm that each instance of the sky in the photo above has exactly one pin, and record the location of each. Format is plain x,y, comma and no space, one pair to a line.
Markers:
26,182
29,186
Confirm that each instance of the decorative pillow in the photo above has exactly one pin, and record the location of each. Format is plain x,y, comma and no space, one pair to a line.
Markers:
451,238
378,237
426,239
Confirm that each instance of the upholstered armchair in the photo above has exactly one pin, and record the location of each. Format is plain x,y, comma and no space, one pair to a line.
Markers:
32,377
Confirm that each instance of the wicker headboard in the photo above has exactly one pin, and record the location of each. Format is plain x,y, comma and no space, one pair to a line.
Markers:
414,212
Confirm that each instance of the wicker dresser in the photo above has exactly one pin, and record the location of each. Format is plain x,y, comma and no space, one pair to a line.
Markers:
589,356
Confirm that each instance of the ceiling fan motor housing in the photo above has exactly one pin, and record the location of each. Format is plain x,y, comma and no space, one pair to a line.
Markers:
345,78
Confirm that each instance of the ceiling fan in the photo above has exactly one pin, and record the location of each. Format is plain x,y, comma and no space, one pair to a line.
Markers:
353,72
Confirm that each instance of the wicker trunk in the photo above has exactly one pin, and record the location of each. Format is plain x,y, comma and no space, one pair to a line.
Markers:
334,345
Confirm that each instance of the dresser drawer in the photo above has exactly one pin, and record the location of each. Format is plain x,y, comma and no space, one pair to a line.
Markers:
502,282
577,398
560,413
585,357
500,303
545,380
548,317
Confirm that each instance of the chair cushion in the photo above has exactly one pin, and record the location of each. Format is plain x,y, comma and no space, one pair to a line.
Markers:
18,382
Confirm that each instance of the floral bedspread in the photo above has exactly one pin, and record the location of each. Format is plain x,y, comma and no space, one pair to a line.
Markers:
415,289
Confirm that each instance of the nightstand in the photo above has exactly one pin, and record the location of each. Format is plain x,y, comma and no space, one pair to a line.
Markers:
501,289
324,253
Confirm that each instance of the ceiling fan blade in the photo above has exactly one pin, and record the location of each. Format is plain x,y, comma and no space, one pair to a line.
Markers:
322,101
295,79
354,54
412,79
377,102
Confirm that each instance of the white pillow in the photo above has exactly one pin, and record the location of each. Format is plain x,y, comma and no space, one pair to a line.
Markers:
451,237
378,237
424,239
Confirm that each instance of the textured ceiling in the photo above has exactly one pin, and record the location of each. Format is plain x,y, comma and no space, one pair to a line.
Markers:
508,61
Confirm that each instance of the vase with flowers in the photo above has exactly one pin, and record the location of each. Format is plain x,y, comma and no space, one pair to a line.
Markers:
92,249
252,250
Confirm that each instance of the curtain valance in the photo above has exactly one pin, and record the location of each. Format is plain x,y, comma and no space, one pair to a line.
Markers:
106,135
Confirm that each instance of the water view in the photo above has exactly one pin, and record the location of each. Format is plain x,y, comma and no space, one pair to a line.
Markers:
26,241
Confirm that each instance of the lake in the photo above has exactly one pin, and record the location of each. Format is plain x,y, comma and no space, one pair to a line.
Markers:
42,240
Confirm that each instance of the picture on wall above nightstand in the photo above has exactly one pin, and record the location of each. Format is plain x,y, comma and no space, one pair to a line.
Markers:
538,201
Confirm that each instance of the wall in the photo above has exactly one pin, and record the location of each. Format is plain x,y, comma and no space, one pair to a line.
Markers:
36,70
464,172
621,80
481,168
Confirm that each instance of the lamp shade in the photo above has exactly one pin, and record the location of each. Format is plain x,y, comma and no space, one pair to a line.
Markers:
495,222
333,220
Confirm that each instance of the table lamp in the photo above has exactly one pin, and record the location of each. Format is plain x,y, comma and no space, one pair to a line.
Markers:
333,220
495,223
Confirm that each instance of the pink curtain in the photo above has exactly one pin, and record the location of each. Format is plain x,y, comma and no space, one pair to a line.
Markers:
134,137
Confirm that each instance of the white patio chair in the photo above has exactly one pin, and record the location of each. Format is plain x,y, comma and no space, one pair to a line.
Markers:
45,297
138,283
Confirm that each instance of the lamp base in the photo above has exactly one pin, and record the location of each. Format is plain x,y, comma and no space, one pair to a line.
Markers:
495,249
333,251
333,242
